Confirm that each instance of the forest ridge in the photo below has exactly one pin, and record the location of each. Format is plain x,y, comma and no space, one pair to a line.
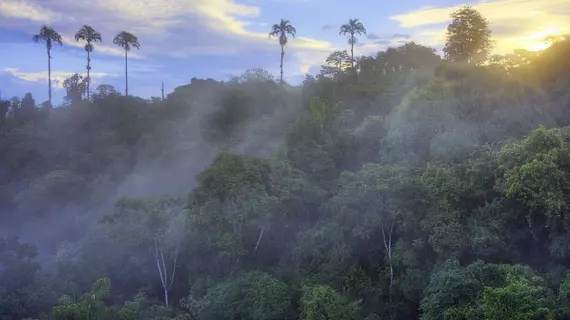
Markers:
227,48
397,186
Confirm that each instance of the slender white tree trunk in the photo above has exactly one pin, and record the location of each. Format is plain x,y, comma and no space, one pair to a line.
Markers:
259,239
162,272
387,238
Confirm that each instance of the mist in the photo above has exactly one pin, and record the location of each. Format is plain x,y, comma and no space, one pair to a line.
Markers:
407,186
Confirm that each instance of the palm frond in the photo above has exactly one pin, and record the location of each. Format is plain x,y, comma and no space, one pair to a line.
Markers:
275,30
291,30
282,29
126,40
344,29
48,35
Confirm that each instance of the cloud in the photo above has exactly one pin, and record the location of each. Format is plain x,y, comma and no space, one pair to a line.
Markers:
27,11
401,35
176,28
516,23
69,40
187,37
387,39
327,27
57,77
372,36
382,42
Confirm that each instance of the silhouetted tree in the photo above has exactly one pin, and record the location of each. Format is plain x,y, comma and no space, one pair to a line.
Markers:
88,34
468,37
75,86
282,30
126,41
50,36
4,105
351,29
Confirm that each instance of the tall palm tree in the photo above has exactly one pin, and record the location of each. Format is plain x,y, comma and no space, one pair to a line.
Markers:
88,34
126,41
50,36
282,30
351,29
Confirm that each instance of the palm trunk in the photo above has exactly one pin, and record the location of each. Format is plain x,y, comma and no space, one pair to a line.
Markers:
282,55
49,79
126,76
88,73
352,51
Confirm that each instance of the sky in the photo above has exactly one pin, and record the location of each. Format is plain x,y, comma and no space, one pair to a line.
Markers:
183,39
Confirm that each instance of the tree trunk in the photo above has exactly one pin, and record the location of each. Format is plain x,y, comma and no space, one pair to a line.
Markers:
281,66
49,79
161,266
161,271
166,297
126,76
259,239
88,73
352,51
388,247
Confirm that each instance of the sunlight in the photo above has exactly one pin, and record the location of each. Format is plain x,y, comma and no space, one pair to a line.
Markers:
538,40
539,46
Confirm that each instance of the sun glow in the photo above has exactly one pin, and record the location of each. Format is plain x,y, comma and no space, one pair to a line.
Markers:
539,46
539,40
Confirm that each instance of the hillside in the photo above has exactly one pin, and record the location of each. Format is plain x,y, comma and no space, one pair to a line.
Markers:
407,187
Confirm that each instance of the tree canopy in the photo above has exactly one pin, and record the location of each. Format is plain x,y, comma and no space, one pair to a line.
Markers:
407,187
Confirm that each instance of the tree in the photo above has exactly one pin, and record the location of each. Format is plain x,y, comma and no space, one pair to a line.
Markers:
253,295
337,62
323,302
19,272
468,37
4,106
89,306
351,29
50,36
88,34
104,90
282,30
152,222
126,41
75,86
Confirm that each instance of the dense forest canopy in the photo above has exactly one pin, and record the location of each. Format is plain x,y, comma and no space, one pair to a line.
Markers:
394,186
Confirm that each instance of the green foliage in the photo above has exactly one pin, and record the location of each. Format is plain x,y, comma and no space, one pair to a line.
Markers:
486,291
410,189
322,302
89,307
56,188
230,175
254,295
468,37
518,300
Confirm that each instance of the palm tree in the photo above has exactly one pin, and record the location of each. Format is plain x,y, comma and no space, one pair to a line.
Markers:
282,29
50,36
351,29
88,34
126,41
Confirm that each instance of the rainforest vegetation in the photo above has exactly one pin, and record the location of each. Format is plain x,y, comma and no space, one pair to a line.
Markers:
403,185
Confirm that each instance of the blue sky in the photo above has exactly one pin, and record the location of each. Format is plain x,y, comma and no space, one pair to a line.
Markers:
182,39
